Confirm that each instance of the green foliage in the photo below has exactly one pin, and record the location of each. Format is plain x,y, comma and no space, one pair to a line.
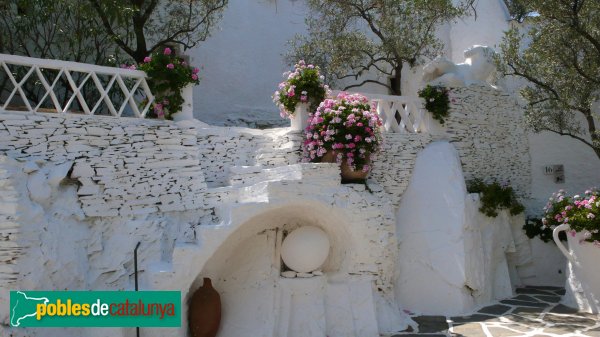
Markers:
167,76
495,197
304,84
104,31
558,56
61,29
518,9
535,228
141,27
350,38
436,101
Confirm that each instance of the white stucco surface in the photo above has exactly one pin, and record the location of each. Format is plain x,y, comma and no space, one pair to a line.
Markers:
242,61
452,258
215,201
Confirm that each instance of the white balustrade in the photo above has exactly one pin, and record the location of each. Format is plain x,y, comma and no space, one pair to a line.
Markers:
122,87
399,114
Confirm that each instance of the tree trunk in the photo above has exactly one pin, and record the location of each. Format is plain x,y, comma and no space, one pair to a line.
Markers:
396,81
591,122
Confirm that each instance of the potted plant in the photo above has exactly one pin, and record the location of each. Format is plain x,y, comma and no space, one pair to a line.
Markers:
168,77
302,90
346,130
579,216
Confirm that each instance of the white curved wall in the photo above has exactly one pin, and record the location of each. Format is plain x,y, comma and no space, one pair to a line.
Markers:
242,61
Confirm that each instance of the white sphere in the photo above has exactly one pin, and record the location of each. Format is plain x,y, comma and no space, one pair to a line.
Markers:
305,249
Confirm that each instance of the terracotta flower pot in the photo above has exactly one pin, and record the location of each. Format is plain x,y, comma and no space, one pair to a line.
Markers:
347,173
205,311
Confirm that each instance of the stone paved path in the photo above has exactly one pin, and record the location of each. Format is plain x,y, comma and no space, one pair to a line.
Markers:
534,312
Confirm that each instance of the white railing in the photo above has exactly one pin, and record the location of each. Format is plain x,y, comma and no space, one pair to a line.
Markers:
71,87
399,114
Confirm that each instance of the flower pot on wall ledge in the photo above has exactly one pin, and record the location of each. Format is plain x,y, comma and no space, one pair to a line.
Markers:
300,118
187,108
583,259
348,174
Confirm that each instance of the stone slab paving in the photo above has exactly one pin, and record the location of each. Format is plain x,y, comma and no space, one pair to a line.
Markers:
533,312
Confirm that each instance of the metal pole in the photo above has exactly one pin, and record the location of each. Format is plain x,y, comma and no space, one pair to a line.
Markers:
135,267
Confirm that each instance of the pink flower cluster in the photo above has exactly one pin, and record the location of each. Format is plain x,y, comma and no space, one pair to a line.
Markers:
347,125
130,67
159,108
312,88
581,213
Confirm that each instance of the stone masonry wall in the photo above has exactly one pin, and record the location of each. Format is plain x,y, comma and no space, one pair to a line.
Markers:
485,126
123,166
131,174
130,166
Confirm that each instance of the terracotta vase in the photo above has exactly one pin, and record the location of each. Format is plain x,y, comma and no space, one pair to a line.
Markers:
347,173
205,311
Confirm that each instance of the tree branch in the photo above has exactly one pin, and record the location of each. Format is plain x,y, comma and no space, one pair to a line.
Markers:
562,133
106,23
365,82
173,37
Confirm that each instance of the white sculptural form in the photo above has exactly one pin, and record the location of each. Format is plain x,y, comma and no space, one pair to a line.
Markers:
478,68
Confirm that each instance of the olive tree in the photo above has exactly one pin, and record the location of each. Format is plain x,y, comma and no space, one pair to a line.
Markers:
59,29
102,31
350,38
139,27
558,56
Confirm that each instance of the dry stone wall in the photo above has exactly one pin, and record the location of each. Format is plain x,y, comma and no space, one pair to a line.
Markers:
123,166
131,166
486,127
82,177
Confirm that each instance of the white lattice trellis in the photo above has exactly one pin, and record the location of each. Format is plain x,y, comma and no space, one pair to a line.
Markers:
400,114
136,96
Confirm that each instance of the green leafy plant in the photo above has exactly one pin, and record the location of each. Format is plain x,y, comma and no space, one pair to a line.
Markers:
167,76
436,101
495,197
535,227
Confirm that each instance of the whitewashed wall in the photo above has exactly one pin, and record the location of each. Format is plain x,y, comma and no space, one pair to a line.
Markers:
486,28
242,62
103,184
